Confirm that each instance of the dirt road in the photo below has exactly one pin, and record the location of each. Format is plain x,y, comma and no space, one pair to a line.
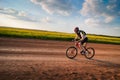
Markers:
31,59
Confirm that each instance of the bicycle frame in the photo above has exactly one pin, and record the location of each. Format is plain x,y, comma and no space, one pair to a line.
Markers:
78,45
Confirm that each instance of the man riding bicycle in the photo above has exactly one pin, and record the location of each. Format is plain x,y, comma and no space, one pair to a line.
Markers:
81,35
80,42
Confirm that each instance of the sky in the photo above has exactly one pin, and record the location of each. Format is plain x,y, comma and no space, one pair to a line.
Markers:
93,16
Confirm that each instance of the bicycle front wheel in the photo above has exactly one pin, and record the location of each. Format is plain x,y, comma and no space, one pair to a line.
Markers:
71,52
89,53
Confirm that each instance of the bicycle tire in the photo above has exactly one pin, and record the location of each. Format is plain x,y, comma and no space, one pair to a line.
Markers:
71,54
89,53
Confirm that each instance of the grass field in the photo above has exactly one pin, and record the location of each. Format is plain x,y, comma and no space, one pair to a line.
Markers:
49,35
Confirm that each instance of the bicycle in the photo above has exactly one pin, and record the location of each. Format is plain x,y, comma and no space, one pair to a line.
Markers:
72,51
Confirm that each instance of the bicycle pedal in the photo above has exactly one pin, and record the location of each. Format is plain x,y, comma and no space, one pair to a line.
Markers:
82,52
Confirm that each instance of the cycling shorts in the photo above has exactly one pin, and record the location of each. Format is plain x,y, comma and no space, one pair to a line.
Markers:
84,40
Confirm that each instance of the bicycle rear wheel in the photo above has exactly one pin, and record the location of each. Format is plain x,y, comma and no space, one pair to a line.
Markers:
89,53
71,52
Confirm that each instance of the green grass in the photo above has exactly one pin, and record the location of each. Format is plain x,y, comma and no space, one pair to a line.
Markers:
49,35
104,39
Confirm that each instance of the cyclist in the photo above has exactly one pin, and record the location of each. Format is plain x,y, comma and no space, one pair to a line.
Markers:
82,38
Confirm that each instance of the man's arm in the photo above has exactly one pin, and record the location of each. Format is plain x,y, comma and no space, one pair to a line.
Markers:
76,37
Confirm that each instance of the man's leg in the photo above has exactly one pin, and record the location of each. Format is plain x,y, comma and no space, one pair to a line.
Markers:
82,47
83,44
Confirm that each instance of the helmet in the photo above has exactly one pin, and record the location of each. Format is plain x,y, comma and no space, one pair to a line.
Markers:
76,29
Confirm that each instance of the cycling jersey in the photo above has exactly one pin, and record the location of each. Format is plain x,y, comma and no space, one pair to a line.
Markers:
81,34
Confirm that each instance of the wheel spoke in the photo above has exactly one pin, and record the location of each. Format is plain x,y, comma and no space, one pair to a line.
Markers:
71,52
89,53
